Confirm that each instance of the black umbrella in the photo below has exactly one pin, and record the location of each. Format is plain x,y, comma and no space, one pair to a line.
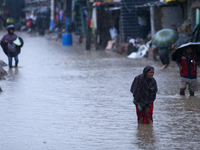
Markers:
180,49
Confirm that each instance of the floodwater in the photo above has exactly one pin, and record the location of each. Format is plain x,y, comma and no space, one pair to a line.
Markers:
66,98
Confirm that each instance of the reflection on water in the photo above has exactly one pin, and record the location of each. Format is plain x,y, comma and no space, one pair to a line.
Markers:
145,138
12,73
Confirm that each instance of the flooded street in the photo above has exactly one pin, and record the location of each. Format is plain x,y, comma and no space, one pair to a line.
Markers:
66,98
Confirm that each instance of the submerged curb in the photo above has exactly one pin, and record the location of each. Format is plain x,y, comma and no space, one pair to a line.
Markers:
3,73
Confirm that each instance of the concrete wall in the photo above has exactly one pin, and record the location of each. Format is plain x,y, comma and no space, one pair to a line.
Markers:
166,17
173,17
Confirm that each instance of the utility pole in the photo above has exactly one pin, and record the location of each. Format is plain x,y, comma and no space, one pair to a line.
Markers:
52,13
68,14
89,29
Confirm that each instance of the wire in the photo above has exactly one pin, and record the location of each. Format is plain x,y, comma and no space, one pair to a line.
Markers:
126,6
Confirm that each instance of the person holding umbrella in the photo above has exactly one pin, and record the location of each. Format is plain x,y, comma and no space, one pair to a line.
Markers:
163,40
164,55
187,60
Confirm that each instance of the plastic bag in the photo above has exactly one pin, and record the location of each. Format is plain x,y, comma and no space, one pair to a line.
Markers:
12,47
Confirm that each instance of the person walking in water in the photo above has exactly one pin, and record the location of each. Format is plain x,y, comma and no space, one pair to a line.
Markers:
144,89
164,56
11,45
187,63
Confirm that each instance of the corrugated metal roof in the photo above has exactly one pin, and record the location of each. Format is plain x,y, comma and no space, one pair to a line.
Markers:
30,8
34,1
154,4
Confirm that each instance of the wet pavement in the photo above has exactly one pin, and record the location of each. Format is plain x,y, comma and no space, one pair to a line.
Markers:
63,97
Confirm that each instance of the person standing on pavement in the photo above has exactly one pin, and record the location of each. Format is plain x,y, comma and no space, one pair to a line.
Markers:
11,45
33,23
144,89
187,63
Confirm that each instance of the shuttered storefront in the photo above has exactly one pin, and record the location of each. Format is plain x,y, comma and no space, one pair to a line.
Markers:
129,19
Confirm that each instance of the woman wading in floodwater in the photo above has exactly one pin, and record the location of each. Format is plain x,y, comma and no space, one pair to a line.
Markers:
144,89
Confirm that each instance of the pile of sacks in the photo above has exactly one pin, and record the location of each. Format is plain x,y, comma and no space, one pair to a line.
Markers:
142,49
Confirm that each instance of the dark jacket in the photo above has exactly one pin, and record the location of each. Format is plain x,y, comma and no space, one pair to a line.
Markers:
144,89
10,38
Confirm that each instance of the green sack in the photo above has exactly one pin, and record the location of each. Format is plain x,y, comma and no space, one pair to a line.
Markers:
17,42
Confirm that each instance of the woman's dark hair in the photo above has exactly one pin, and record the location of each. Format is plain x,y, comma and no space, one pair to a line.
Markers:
146,69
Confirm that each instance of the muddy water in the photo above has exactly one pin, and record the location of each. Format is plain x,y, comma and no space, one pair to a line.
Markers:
68,98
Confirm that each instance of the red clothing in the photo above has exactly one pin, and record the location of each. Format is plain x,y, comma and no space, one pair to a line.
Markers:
142,114
184,64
